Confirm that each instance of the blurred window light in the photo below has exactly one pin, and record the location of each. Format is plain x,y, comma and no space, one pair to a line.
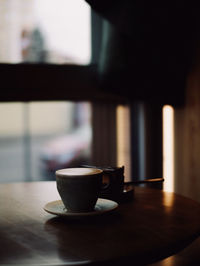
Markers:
168,148
38,138
42,136
123,140
45,31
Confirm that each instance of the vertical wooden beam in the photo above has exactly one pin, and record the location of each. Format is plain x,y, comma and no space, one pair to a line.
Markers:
187,140
153,140
104,143
146,140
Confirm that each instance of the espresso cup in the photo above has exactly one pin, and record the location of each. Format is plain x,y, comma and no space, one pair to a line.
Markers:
113,182
79,188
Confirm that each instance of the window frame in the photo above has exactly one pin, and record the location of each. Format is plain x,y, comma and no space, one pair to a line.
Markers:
28,82
49,82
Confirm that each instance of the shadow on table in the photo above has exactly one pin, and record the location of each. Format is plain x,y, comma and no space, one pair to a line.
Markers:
80,240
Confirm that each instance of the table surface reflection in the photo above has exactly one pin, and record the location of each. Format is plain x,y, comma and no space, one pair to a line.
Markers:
153,226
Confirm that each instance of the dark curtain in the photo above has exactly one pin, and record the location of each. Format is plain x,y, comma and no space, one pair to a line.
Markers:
147,49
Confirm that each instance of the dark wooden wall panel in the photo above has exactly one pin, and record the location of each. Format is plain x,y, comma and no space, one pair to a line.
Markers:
187,140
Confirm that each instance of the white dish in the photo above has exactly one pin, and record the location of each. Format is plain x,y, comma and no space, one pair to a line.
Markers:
102,206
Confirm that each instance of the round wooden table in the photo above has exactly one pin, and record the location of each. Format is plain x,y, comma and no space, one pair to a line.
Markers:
154,225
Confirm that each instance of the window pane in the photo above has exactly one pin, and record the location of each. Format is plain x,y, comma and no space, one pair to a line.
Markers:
38,138
11,142
45,31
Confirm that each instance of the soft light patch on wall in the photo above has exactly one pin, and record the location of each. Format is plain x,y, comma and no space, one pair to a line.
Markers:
168,148
123,139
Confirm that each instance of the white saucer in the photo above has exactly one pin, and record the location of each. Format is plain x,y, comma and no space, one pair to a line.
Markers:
102,206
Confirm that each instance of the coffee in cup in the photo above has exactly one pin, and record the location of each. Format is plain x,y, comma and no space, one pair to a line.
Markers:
79,188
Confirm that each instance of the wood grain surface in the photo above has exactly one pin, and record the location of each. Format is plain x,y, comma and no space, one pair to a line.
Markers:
154,225
187,140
